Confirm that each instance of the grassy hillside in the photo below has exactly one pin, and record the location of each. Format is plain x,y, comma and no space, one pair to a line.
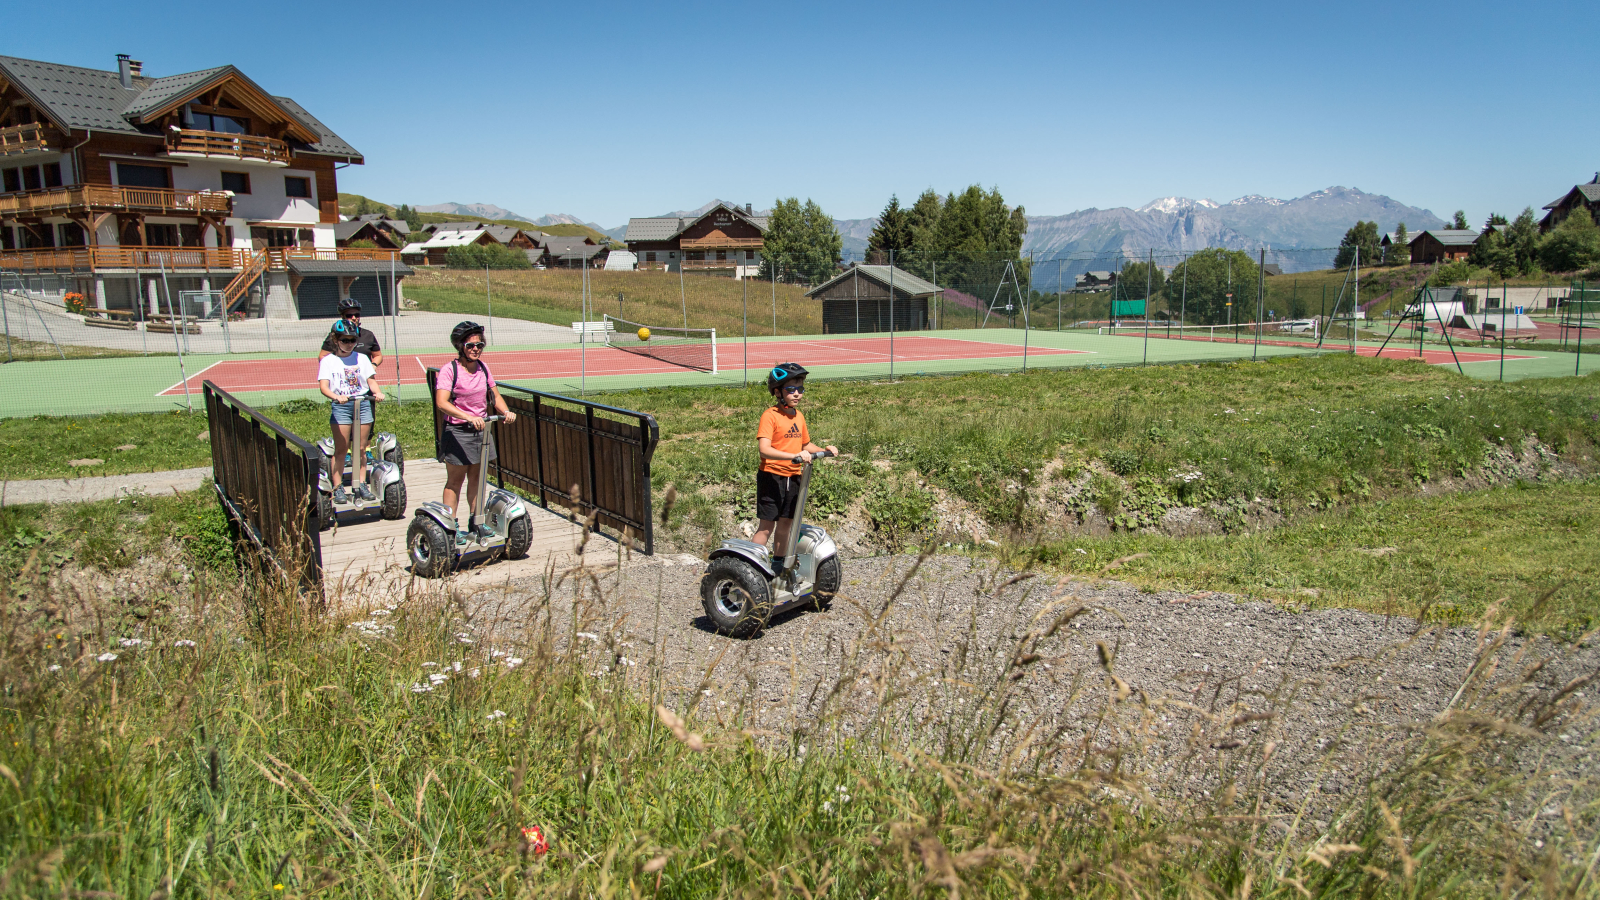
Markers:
349,202
650,297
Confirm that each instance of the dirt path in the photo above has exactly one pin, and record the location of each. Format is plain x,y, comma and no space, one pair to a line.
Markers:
105,487
958,655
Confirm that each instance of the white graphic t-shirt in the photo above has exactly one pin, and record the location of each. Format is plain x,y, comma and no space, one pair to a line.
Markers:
346,375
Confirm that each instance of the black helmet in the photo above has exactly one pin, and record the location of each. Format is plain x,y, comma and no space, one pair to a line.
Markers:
785,372
343,330
460,333
348,304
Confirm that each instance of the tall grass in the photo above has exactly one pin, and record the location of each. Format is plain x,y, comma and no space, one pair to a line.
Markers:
398,750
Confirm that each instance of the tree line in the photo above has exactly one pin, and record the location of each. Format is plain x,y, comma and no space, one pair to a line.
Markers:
1509,249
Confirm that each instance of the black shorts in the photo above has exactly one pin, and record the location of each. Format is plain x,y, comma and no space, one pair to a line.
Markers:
776,495
459,445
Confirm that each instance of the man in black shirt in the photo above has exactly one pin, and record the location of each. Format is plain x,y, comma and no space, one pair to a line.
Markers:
366,341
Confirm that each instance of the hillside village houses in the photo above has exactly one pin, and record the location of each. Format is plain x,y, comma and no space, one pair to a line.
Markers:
556,251
1584,196
725,239
109,176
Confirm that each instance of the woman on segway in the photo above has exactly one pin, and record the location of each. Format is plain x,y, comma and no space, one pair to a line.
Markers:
464,392
347,377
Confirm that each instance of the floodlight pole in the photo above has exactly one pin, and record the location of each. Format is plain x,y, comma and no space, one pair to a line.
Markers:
744,328
489,301
1583,297
394,323
177,323
891,315
1183,303
1261,289
1148,267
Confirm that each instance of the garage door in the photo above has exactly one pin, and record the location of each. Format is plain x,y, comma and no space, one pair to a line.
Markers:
368,292
318,298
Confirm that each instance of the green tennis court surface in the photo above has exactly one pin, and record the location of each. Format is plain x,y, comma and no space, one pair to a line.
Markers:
143,384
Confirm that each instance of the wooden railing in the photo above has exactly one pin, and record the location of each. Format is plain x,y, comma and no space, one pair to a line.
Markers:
692,264
720,243
236,288
234,146
81,258
22,138
559,444
266,478
106,196
278,257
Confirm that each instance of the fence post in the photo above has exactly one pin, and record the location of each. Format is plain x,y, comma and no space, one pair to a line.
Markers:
1261,294
1149,266
1583,295
1502,322
5,313
891,316
177,323
488,300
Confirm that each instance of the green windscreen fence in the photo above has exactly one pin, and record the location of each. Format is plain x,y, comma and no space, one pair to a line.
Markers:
1127,308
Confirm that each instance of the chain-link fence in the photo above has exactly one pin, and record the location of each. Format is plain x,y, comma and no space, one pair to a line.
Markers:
142,336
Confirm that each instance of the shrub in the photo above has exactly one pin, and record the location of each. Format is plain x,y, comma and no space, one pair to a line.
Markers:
494,256
74,302
899,510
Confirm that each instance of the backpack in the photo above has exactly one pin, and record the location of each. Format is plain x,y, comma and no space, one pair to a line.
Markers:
488,378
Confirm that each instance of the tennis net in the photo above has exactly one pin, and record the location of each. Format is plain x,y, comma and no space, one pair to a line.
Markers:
692,348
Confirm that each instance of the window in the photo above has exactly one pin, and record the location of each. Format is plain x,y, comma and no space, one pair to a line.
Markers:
130,175
13,180
8,241
30,178
42,237
71,235
160,235
238,182
722,254
52,175
218,123
694,254
749,254
189,236
272,237
294,186
650,256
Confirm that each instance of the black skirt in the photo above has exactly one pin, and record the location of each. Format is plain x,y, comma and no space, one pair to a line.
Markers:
460,445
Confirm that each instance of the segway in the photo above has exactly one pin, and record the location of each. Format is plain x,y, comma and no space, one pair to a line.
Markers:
385,476
431,539
743,585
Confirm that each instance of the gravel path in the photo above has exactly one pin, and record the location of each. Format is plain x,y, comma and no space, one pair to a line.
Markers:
1191,690
103,487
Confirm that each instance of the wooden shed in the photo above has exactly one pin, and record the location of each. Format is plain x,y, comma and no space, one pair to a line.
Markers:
857,300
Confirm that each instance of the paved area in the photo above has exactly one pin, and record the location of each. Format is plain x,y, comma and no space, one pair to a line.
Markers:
102,487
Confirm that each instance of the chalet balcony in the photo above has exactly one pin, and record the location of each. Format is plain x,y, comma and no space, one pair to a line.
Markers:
217,145
88,259
105,197
719,242
23,138
690,265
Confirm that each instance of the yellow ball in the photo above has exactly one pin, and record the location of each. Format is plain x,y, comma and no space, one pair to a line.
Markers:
644,334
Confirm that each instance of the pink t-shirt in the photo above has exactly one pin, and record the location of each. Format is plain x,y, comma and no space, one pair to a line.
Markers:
468,390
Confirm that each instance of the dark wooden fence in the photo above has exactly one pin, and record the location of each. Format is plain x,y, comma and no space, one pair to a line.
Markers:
561,443
265,476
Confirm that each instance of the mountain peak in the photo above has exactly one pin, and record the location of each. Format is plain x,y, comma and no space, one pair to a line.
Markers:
1175,204
481,210
1258,200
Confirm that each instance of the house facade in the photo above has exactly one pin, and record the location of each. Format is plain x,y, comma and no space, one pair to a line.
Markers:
723,240
874,298
110,176
1582,196
1442,245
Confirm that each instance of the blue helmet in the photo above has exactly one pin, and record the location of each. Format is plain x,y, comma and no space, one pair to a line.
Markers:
783,373
343,330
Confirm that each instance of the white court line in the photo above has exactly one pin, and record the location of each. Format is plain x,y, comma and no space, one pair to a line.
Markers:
179,385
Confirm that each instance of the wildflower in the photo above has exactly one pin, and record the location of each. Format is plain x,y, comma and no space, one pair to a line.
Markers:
184,643
472,673
277,887
1080,550
843,797
130,642
438,678
513,661
379,612
421,688
497,714
55,668
463,638
429,665
496,654
588,636
827,806
107,657
457,665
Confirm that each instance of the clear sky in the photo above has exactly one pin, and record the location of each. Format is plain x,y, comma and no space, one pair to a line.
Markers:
612,110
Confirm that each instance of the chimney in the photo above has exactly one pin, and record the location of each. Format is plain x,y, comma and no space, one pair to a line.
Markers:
125,70
750,211
135,68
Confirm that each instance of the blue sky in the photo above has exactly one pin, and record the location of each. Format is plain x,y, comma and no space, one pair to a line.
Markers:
607,111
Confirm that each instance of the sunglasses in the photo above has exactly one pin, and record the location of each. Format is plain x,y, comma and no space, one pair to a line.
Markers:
794,390
474,345
352,315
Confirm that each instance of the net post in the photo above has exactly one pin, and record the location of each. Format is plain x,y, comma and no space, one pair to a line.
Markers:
176,324
713,351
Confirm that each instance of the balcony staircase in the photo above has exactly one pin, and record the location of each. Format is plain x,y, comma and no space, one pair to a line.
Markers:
239,288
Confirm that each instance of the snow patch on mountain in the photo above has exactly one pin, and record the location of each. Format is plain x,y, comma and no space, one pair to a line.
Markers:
1176,205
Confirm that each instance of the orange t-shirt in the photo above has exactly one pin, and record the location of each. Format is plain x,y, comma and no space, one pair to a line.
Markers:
788,435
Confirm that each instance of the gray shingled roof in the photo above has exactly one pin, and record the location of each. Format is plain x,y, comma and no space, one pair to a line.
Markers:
1451,237
161,91
564,247
903,280
95,99
1590,192
347,267
656,228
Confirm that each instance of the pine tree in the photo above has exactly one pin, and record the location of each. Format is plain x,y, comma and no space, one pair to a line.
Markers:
892,234
1460,223
1400,250
801,242
1522,239
1572,245
1362,236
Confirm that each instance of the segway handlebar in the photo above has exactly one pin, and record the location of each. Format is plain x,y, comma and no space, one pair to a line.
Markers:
820,454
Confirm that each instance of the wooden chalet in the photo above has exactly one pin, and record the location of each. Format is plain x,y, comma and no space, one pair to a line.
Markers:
1442,245
1582,196
345,233
436,249
723,240
109,176
859,300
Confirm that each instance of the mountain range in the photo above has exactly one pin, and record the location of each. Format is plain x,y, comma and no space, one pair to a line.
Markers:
1298,234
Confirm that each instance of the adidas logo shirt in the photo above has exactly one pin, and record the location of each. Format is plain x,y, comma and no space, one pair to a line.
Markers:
788,435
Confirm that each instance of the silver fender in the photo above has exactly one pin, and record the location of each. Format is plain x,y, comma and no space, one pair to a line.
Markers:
820,546
749,551
381,474
438,512
383,442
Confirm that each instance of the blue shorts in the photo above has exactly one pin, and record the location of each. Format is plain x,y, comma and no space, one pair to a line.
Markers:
344,412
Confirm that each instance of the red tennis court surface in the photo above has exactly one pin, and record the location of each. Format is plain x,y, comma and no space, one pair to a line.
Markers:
518,365
1393,351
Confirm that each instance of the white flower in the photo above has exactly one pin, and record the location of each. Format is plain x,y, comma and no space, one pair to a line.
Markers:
421,688
588,635
457,665
497,714
626,661
473,673
1228,411
843,797
496,654
1080,550
513,661
429,665
107,657
827,806
183,643
379,612
54,668
130,642
438,678
463,638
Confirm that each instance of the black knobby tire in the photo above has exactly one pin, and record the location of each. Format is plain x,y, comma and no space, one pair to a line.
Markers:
430,547
519,537
830,576
736,597
398,457
325,514
394,500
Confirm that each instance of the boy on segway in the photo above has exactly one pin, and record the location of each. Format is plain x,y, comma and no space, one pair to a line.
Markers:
781,436
348,378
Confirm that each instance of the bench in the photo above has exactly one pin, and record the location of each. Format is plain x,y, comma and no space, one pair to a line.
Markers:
587,332
120,319
172,324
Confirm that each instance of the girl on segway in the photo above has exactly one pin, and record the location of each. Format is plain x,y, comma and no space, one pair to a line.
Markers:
464,392
348,378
